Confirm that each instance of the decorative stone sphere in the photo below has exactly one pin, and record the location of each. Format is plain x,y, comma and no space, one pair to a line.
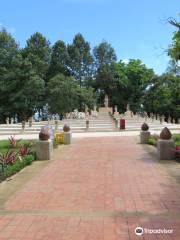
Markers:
165,134
44,134
66,128
144,127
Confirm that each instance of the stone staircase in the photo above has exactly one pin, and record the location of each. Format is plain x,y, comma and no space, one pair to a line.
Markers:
104,122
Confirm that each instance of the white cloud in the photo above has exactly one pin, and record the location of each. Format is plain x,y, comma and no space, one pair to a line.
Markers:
126,60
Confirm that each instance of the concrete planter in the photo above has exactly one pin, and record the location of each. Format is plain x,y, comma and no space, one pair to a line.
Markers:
44,149
67,138
166,149
144,136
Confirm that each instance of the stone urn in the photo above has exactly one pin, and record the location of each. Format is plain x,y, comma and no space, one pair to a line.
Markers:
44,134
165,134
144,127
66,128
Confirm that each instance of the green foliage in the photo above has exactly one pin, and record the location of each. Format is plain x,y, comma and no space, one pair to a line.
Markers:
59,60
176,138
79,59
163,96
138,76
69,77
152,140
174,50
104,54
65,95
37,51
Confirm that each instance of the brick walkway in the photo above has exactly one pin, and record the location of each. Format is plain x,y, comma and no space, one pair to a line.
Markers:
97,189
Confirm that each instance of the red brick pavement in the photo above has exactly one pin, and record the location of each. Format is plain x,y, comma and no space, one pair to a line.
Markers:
98,189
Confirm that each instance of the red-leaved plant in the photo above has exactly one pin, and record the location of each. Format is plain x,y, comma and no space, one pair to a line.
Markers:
13,141
24,150
8,157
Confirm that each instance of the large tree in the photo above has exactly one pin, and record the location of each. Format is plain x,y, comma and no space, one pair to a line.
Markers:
59,60
20,85
111,80
65,95
38,51
80,59
25,89
9,52
163,96
138,76
104,54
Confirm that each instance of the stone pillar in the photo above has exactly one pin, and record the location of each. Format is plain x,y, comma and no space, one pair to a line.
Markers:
44,149
165,149
144,136
67,138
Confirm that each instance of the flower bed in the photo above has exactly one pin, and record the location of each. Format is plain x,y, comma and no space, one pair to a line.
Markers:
14,156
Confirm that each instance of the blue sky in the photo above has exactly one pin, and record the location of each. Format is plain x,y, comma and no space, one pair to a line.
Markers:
135,28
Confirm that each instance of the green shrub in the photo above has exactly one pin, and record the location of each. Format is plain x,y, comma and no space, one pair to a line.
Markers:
152,140
176,138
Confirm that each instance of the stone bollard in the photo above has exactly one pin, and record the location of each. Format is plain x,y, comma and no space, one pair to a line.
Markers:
165,145
144,134
44,149
67,134
67,138
44,146
87,125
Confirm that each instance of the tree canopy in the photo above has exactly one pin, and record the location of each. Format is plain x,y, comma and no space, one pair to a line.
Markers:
73,76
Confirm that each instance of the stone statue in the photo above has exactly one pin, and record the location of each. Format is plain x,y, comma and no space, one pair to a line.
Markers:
128,107
115,108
